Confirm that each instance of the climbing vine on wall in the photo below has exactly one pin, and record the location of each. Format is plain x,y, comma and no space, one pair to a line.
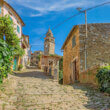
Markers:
9,46
6,56
7,33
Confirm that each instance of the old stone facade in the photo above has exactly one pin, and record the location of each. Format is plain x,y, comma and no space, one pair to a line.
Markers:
98,43
98,51
36,58
50,65
50,61
49,44
25,60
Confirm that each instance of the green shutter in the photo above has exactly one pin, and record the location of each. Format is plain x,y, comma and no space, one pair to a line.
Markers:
18,29
0,10
11,19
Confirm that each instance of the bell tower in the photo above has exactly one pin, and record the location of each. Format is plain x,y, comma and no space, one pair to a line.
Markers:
49,43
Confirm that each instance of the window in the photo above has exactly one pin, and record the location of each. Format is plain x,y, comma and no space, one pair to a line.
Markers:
10,13
73,41
0,10
17,22
18,29
11,19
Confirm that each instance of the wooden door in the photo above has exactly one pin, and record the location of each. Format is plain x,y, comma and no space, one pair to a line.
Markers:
50,70
55,74
15,63
74,71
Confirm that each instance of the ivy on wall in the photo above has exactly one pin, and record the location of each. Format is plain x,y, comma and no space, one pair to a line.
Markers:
7,33
6,56
9,46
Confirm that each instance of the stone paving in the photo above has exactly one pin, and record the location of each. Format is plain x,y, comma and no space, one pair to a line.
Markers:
32,90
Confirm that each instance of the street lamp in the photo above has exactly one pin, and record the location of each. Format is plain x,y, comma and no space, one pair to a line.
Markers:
84,11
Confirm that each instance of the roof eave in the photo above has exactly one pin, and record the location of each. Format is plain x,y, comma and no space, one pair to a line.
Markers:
23,24
68,37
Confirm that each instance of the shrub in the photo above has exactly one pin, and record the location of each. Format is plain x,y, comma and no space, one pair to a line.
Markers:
6,57
20,67
104,79
38,57
61,71
60,75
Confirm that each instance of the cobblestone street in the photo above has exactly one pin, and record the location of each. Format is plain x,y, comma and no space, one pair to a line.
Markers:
32,90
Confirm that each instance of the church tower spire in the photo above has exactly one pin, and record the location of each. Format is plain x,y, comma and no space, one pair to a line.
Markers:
49,44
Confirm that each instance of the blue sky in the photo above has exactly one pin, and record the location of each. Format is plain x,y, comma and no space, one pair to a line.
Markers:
39,15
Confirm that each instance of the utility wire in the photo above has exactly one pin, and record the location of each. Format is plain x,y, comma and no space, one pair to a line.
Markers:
74,16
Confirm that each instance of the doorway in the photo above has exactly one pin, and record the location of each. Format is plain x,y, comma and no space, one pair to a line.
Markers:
75,71
15,63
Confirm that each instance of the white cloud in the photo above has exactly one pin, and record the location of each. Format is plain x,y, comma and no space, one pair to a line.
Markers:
39,31
43,7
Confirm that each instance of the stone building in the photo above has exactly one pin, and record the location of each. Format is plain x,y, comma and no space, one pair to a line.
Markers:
36,58
25,60
98,51
49,44
50,61
18,24
50,65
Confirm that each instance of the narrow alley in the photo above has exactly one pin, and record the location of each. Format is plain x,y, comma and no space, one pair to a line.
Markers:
33,90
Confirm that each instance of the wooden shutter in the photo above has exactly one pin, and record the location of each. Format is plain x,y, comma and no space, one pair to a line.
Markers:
73,41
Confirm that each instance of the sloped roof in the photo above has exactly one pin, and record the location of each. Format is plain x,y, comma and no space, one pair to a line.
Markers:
69,35
49,33
14,12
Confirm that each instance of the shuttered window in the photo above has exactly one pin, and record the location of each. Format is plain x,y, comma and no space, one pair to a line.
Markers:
73,41
0,10
18,29
11,19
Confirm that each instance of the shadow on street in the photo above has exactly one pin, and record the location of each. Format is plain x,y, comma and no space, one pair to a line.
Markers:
33,73
96,99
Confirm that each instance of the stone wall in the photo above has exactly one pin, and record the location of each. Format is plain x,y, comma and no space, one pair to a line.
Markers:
89,76
98,44
69,55
51,48
50,62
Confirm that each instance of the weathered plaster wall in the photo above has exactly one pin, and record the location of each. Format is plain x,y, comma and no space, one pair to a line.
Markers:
70,53
89,76
16,22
